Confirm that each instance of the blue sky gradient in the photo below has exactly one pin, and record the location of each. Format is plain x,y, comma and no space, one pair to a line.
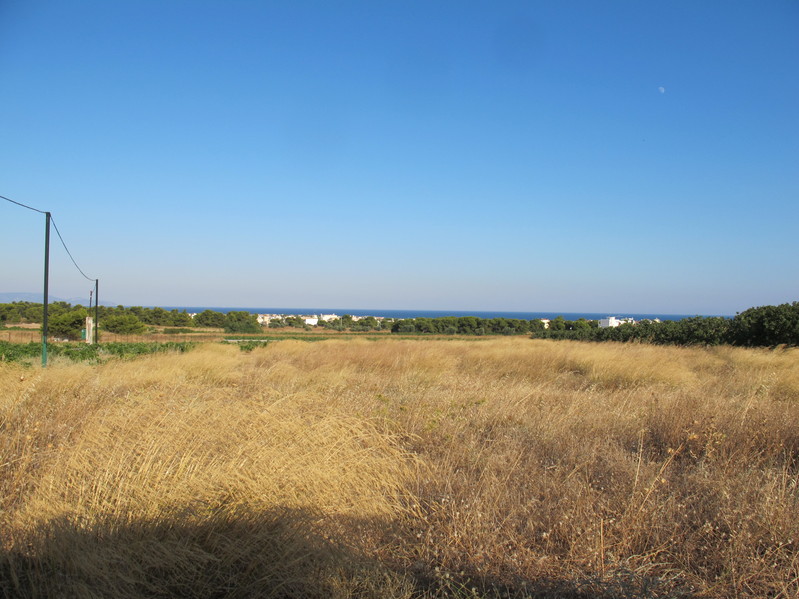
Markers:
533,156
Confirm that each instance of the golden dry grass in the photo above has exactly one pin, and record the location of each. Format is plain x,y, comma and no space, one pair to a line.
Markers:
404,468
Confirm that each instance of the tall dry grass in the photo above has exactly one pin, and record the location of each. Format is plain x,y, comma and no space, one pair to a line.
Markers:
496,467
172,477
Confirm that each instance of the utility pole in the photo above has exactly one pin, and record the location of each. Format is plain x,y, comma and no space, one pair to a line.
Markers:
89,336
46,286
96,310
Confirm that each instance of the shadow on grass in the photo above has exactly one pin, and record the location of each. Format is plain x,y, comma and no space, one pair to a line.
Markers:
230,553
240,553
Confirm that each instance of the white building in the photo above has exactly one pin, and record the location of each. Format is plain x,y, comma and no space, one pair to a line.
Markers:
264,319
612,321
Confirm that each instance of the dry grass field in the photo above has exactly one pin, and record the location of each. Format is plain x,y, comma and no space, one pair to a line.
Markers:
404,468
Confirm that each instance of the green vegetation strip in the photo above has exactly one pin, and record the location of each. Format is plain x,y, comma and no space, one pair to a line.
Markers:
82,352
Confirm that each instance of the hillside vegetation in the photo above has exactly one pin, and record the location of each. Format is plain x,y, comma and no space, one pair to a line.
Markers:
499,467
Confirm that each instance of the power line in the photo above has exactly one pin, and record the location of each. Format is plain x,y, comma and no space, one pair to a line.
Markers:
23,205
49,220
88,278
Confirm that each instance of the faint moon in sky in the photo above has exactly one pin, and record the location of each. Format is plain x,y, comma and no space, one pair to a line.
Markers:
662,89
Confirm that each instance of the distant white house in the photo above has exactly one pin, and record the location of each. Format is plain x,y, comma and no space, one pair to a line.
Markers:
545,322
311,321
265,319
612,321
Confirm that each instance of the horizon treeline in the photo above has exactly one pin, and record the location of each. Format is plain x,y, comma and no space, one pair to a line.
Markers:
763,326
758,326
66,320
473,325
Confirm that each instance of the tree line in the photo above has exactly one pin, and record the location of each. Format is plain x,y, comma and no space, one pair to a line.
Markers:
762,326
466,325
66,320
759,326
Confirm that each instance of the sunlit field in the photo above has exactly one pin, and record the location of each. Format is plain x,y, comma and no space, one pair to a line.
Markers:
493,467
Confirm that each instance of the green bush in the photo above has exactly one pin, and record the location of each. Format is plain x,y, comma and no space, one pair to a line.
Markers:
67,325
210,318
766,326
241,322
124,324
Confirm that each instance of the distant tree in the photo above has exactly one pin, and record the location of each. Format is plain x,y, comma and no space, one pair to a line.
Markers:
403,326
333,324
425,325
210,318
467,325
180,319
157,316
67,325
521,326
766,326
123,324
447,325
366,324
580,323
704,330
34,313
8,314
294,321
537,325
56,308
241,322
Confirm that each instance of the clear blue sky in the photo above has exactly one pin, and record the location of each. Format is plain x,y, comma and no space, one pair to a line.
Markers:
534,156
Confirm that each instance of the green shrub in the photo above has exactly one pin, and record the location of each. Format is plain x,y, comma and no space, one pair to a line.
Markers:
67,325
241,322
124,324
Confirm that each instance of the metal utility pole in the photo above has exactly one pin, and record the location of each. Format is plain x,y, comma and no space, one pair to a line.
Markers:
96,310
46,286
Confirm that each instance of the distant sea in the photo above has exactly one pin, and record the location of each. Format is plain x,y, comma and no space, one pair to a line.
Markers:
36,297
436,313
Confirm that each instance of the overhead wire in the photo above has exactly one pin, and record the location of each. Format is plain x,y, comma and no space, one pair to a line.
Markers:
85,276
52,220
23,205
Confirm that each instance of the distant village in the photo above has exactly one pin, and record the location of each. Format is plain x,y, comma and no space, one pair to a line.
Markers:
310,319
313,320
